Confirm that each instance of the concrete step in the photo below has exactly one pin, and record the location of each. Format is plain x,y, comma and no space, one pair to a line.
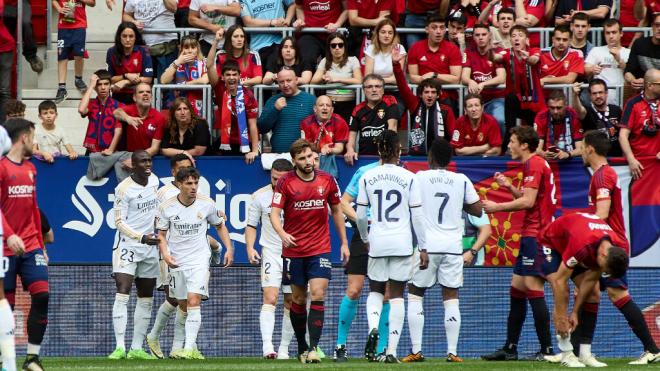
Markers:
49,79
42,94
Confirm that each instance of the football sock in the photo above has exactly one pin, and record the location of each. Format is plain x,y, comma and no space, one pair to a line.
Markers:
119,318
193,323
37,319
179,330
267,325
564,344
636,322
7,342
141,320
165,311
416,321
585,350
287,332
452,324
541,320
383,328
315,322
397,315
299,324
587,318
347,312
517,314
374,308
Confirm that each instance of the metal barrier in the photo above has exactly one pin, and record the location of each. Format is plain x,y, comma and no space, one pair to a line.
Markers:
207,98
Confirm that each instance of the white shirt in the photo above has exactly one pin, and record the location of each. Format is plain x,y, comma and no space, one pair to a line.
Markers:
390,191
383,61
259,212
340,72
443,195
187,227
51,141
215,18
153,14
611,73
135,209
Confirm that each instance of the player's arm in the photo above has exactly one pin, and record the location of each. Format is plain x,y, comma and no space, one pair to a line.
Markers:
560,292
223,233
121,210
254,212
287,239
338,219
346,207
524,202
475,209
603,208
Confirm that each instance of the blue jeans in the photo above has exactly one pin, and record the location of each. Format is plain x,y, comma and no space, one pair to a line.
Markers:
6,62
414,21
495,108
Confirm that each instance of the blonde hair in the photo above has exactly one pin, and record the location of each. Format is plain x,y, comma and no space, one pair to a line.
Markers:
378,48
191,42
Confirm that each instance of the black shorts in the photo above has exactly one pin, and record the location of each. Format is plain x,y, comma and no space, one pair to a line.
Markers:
298,271
359,259
71,43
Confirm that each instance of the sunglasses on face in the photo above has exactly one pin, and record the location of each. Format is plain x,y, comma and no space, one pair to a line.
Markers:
336,45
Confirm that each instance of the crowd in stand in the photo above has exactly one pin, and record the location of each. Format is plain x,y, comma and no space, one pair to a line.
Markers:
485,46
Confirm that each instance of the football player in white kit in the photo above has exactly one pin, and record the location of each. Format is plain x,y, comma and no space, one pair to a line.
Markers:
135,256
393,195
444,196
186,250
271,263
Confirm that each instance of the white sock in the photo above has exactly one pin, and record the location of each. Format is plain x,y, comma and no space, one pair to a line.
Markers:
564,344
7,343
119,318
267,325
165,311
193,323
179,330
33,349
416,321
374,307
141,320
287,332
452,325
585,350
397,315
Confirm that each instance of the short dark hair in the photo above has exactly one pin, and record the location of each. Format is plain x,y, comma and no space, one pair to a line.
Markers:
14,107
298,147
373,76
526,134
46,105
612,22
103,74
282,164
435,17
178,158
597,81
481,25
562,28
16,127
185,173
617,261
429,83
472,96
598,140
458,17
556,94
520,28
230,65
388,145
580,16
506,11
441,152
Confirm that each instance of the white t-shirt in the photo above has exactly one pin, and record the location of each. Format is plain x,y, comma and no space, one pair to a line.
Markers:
443,195
51,141
343,72
611,73
153,14
383,61
187,227
215,17
391,192
135,209
259,212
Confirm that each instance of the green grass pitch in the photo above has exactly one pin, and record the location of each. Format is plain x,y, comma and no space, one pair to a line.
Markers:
52,364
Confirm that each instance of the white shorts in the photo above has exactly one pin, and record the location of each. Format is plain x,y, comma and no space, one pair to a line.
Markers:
4,265
271,270
138,261
445,269
397,268
189,280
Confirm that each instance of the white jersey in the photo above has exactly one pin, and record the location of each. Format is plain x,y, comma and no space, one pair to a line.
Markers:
390,191
166,192
135,209
187,227
443,195
259,211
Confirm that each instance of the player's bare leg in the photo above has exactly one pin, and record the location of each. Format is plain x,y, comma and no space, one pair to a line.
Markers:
415,322
287,328
317,290
347,312
7,325
267,320
299,319
142,317
123,283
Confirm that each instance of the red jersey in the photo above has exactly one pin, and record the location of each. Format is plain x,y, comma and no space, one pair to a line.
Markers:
439,61
320,13
652,7
79,19
152,128
487,132
305,206
423,6
333,131
370,9
7,42
183,4
627,19
572,61
538,175
523,79
577,237
482,69
637,113
604,185
249,65
251,112
18,197
563,134
138,61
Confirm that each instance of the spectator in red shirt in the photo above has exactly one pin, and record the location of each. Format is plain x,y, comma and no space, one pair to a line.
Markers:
469,10
436,58
646,10
476,132
330,15
181,14
456,25
144,125
325,129
186,132
417,13
530,13
366,14
559,129
483,76
103,131
640,124
128,62
561,64
7,46
235,47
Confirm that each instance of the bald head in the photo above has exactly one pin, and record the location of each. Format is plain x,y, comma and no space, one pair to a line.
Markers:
652,83
287,82
323,108
651,75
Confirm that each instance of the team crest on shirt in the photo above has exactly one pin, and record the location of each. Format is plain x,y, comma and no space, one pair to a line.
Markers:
135,62
320,189
480,137
200,216
565,65
380,113
31,175
442,57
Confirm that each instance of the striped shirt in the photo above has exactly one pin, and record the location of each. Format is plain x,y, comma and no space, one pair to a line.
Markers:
285,124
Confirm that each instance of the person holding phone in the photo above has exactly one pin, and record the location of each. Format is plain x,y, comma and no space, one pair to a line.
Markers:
559,129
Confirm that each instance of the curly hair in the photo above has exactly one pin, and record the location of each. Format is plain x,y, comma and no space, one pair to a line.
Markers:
389,145
173,125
